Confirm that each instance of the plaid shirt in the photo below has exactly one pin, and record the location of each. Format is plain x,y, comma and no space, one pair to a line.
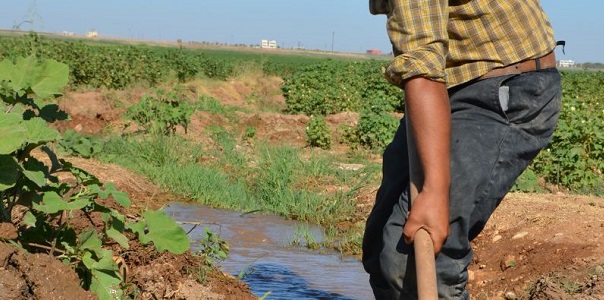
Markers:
455,41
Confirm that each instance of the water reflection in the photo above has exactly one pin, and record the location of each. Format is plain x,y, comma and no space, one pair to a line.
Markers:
259,246
282,283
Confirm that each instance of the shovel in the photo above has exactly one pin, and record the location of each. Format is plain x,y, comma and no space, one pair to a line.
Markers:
423,246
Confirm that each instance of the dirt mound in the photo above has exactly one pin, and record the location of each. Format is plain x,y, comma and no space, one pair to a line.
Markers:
544,242
37,276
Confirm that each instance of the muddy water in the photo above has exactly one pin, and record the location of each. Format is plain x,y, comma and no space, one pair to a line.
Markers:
261,246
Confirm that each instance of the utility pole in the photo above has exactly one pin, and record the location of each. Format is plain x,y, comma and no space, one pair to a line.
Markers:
333,37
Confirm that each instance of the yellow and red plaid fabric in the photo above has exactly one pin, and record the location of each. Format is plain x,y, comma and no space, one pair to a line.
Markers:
455,41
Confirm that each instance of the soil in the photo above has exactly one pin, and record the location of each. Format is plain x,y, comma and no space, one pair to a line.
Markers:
536,246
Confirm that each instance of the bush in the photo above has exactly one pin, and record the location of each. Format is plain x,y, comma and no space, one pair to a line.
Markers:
317,133
163,113
375,129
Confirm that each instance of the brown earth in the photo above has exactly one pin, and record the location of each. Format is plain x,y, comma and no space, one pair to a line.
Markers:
536,246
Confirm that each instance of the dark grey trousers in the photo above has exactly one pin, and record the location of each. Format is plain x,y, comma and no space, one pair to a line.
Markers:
498,126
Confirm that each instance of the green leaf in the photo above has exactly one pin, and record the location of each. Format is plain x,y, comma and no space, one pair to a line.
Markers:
120,197
9,171
53,203
105,280
118,237
106,285
117,227
29,219
6,70
105,261
12,133
165,233
89,240
52,77
22,73
36,177
88,260
36,171
139,229
39,132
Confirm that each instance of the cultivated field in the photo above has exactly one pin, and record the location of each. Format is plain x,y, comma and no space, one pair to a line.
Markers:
293,134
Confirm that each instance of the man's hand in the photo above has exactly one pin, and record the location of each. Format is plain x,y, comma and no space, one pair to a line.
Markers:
429,117
430,211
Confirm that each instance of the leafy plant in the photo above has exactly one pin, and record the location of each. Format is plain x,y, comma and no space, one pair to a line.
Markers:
46,205
334,86
374,130
185,66
574,158
527,182
73,143
163,113
250,133
317,133
213,248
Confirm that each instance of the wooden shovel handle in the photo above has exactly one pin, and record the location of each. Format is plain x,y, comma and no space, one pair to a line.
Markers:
423,246
426,266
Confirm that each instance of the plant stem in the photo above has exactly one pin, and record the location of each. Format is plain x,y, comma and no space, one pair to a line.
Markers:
46,248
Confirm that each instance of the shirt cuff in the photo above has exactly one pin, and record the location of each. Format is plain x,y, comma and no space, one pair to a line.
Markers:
416,64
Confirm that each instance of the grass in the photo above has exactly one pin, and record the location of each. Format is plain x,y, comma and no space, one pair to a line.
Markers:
271,178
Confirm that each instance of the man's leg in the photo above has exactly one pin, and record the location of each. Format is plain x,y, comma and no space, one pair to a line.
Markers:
395,177
490,148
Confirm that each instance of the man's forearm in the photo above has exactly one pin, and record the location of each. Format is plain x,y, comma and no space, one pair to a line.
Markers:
427,103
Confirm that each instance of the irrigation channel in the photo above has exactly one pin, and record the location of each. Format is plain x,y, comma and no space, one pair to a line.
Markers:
261,246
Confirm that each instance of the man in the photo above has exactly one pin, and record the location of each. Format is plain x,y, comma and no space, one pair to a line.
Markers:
481,86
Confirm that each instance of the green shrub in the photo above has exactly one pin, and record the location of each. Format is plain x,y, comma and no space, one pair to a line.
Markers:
374,130
163,113
317,133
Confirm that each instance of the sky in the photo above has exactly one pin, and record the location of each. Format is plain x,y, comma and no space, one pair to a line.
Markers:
339,25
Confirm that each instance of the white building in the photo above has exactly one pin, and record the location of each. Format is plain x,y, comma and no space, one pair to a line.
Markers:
272,44
566,63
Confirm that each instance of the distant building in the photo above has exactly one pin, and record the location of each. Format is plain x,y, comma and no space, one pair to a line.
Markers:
92,34
374,52
68,33
272,44
566,63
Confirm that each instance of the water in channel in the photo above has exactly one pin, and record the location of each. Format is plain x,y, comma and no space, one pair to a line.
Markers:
261,246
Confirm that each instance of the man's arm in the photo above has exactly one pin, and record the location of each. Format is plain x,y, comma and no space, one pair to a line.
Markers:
418,32
427,103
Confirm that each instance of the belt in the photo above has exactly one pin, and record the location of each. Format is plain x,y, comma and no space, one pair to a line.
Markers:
545,62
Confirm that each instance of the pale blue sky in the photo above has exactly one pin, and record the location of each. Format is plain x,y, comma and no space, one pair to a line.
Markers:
313,24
